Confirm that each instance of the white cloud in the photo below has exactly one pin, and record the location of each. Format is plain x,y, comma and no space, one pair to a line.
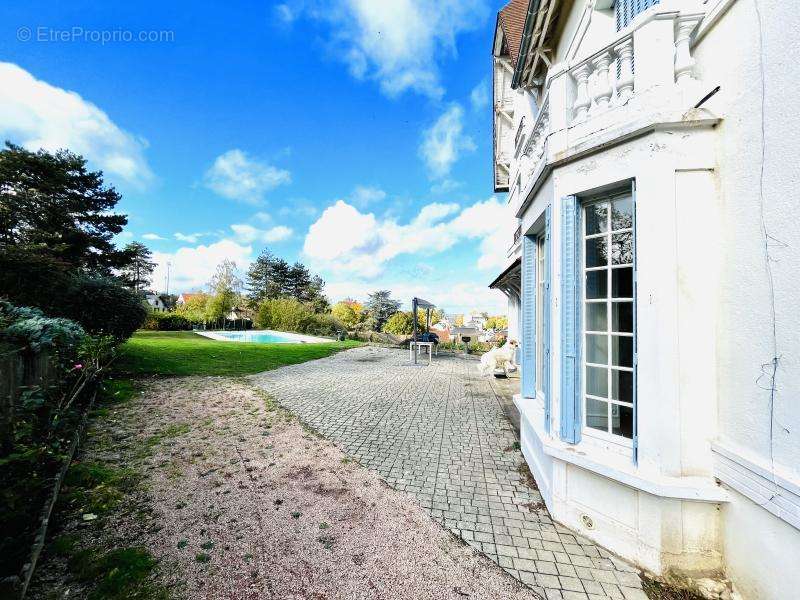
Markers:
236,176
190,238
192,268
36,115
451,294
401,43
285,13
364,195
479,97
446,186
152,236
346,241
247,233
445,141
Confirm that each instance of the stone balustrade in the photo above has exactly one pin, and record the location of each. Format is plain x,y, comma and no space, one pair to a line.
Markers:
604,79
535,146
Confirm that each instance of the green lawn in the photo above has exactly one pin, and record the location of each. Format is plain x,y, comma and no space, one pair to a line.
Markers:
186,353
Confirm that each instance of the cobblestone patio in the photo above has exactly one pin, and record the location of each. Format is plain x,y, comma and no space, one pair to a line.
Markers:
439,433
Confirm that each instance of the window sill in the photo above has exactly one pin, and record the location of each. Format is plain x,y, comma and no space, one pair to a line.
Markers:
618,468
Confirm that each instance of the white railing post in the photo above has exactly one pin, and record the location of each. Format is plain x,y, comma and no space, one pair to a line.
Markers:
582,100
603,90
624,52
684,63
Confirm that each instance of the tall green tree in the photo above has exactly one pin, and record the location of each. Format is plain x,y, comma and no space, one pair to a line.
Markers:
54,208
271,277
259,278
380,306
138,273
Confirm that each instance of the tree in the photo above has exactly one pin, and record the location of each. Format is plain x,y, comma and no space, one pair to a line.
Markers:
400,323
226,287
270,277
380,306
194,309
498,322
349,313
259,279
137,274
52,206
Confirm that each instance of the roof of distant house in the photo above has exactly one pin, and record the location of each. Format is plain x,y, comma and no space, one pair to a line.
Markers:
193,295
511,19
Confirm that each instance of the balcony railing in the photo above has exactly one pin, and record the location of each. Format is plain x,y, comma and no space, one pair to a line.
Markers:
535,146
603,80
623,80
517,233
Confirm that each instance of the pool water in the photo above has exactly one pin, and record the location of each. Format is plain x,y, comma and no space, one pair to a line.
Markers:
263,337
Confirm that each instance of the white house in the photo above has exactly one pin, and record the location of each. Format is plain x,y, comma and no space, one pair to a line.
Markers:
155,302
648,150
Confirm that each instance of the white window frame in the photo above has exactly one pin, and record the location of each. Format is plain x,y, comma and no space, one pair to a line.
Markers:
592,432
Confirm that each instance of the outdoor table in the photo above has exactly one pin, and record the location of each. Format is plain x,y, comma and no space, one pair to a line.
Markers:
416,346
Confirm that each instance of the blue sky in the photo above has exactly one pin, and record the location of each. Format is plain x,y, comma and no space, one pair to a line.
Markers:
353,135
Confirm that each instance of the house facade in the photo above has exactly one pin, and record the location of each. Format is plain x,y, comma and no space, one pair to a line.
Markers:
653,273
155,302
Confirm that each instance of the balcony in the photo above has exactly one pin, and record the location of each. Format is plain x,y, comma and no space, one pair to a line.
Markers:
641,76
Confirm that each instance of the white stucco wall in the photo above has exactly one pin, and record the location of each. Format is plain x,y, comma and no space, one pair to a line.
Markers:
759,233
705,312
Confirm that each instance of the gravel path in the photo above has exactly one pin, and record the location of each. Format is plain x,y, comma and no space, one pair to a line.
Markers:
279,512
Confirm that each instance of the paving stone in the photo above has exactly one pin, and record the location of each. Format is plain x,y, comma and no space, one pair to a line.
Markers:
628,580
439,434
571,583
631,593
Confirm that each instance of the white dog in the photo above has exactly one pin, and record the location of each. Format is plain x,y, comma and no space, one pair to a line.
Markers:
499,358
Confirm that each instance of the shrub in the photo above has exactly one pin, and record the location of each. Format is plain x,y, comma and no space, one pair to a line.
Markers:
158,321
288,314
103,306
321,324
400,323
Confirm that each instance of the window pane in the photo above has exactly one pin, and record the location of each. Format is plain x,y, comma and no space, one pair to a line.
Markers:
622,385
597,284
622,282
597,381
621,248
596,318
622,420
597,414
597,349
596,218
596,252
622,214
621,351
622,316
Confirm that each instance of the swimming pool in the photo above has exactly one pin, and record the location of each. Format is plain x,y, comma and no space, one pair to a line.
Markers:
263,336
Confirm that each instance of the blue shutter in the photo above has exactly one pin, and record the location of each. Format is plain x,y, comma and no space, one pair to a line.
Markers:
570,323
528,343
546,319
626,10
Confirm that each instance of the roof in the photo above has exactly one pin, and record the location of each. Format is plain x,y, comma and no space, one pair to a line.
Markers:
511,20
192,296
517,262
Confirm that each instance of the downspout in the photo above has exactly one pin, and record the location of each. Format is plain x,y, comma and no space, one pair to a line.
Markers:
530,19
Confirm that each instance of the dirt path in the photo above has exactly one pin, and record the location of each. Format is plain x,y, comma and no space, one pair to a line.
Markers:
235,499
